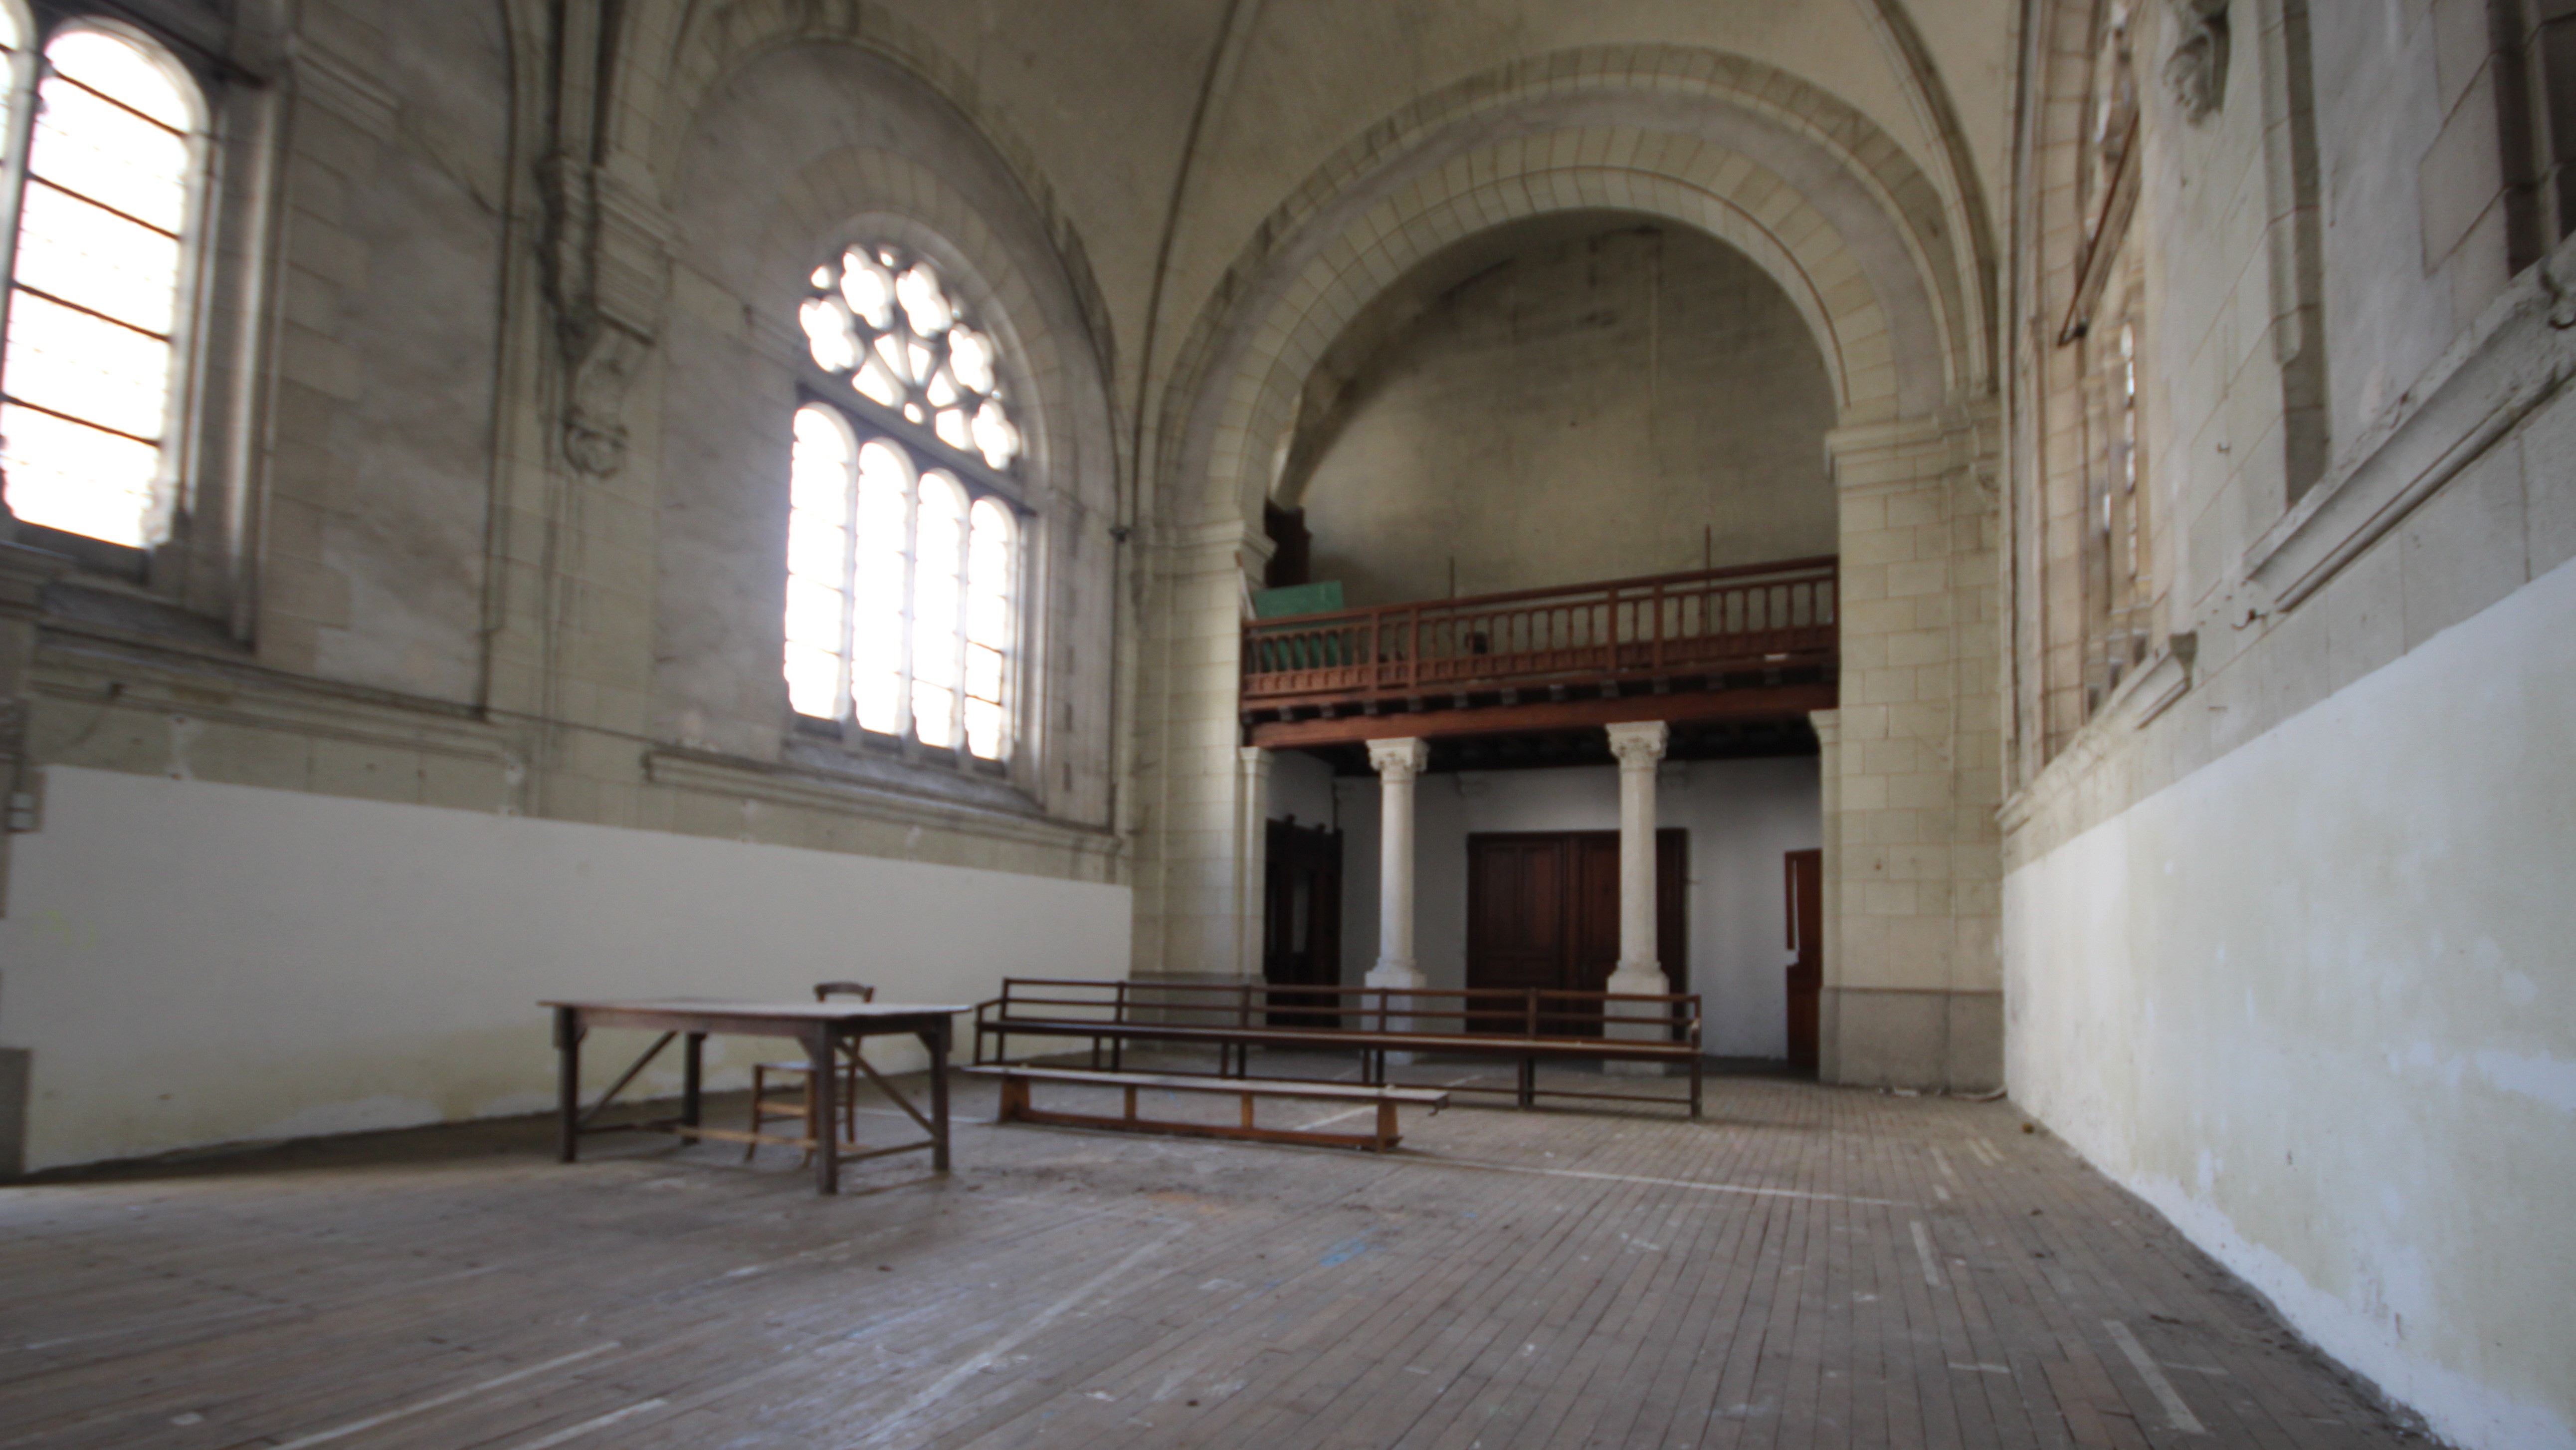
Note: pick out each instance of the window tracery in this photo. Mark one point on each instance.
(881, 321)
(902, 605)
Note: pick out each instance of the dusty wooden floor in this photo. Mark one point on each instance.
(1805, 1267)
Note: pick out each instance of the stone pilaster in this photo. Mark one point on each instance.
(1912, 989)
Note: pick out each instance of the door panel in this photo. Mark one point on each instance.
(1302, 922)
(1806, 898)
(1543, 911)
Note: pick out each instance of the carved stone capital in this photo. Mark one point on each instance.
(1399, 761)
(1640, 745)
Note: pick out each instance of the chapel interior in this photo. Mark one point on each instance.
(1325, 723)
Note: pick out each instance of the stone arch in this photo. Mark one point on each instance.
(750, 219)
(1827, 203)
(677, 53)
(1722, 196)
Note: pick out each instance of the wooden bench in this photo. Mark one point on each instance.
(1522, 1025)
(1015, 1078)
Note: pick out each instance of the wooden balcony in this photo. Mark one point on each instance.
(1740, 642)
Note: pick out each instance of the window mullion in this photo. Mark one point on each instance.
(965, 612)
(906, 724)
(845, 672)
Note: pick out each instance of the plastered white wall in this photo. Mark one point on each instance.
(2316, 1002)
(1301, 786)
(1742, 816)
(197, 963)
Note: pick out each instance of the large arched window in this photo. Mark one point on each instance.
(903, 558)
(90, 370)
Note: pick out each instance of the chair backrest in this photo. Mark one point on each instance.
(825, 991)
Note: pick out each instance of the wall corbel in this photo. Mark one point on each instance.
(2196, 72)
(608, 275)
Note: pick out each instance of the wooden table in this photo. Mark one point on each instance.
(819, 1026)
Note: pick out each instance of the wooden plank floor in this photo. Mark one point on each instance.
(1806, 1267)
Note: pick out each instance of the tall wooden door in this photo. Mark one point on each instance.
(1806, 888)
(1543, 911)
(1301, 935)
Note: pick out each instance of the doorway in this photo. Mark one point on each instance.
(1301, 927)
(1543, 911)
(1806, 886)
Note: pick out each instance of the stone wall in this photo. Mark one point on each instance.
(2282, 924)
(1579, 398)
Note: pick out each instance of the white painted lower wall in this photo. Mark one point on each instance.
(1743, 816)
(2317, 1003)
(195, 963)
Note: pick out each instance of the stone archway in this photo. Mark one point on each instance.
(1858, 238)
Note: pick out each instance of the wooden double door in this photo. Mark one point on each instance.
(1543, 911)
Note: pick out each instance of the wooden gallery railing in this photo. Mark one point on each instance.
(1710, 622)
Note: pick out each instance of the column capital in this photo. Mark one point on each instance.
(1399, 760)
(1639, 745)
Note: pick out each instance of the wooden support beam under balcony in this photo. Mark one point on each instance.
(1749, 642)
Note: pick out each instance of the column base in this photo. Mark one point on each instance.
(1645, 979)
(1398, 977)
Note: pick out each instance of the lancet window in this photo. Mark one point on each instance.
(904, 542)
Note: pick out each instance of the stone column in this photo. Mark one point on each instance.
(1398, 762)
(1640, 748)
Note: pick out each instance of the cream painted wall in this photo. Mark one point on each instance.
(198, 963)
(2315, 1002)
(1742, 816)
(1302, 785)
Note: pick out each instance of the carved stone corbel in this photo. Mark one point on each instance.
(608, 273)
(2196, 72)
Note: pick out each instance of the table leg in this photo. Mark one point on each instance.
(692, 1076)
(823, 1119)
(568, 1031)
(938, 1042)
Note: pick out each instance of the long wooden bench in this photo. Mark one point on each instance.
(1015, 1078)
(1526, 1026)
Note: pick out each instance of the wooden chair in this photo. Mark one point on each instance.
(764, 1107)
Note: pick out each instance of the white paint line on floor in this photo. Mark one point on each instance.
(602, 1422)
(1986, 1151)
(2176, 1412)
(898, 1422)
(324, 1437)
(1685, 1183)
(1982, 1368)
(1941, 1161)
(1923, 1250)
(1371, 1108)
